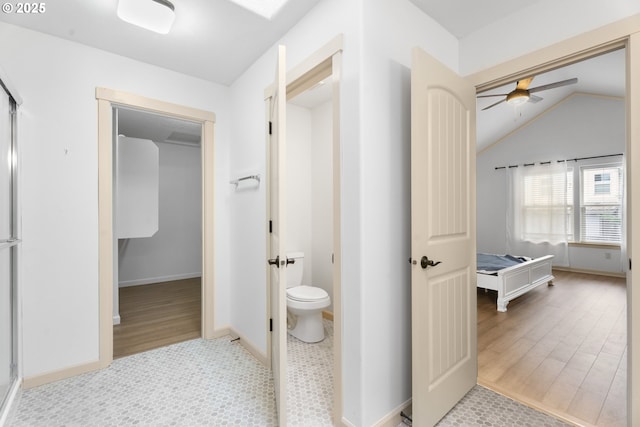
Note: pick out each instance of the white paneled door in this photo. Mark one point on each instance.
(277, 251)
(443, 239)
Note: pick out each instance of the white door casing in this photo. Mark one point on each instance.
(444, 337)
(277, 251)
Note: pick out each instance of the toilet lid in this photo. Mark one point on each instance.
(306, 293)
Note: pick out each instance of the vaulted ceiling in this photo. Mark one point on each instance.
(217, 40)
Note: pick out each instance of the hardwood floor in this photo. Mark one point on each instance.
(157, 315)
(561, 349)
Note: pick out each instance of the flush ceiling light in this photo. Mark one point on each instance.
(265, 8)
(153, 15)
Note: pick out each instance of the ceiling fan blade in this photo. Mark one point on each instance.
(534, 99)
(489, 96)
(493, 105)
(524, 83)
(554, 85)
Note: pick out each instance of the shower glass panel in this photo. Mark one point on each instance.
(5, 166)
(8, 245)
(6, 339)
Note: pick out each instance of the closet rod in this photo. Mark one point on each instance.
(560, 161)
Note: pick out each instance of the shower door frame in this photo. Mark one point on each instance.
(12, 244)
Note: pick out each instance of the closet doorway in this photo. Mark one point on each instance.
(158, 231)
(108, 102)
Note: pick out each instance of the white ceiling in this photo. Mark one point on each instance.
(217, 40)
(463, 17)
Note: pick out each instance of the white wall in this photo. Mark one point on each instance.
(391, 30)
(58, 181)
(322, 198)
(299, 194)
(310, 195)
(175, 250)
(541, 24)
(581, 126)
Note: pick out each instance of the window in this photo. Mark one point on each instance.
(601, 204)
(581, 204)
(547, 211)
(602, 183)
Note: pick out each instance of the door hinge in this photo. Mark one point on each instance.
(270, 128)
(629, 264)
(270, 226)
(270, 325)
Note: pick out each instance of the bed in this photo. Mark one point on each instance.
(512, 276)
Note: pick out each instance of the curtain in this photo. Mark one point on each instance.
(540, 211)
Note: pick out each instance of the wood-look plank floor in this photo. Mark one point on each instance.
(157, 315)
(561, 349)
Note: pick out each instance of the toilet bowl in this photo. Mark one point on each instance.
(304, 303)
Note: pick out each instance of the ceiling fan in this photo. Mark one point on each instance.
(522, 93)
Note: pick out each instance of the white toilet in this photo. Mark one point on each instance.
(304, 303)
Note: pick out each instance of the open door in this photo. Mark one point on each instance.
(443, 239)
(277, 251)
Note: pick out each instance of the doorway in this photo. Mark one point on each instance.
(107, 101)
(158, 231)
(620, 34)
(324, 63)
(623, 33)
(569, 336)
(310, 231)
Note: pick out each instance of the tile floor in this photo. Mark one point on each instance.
(483, 407)
(310, 380)
(218, 383)
(194, 383)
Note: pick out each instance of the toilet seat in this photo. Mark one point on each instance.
(306, 293)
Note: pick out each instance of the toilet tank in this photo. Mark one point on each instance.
(295, 270)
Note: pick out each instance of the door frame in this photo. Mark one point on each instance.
(621, 34)
(325, 62)
(107, 99)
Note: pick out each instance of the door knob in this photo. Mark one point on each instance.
(275, 261)
(426, 262)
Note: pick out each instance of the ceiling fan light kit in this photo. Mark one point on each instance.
(518, 97)
(522, 93)
(153, 15)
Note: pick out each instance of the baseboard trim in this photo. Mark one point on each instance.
(11, 403)
(62, 374)
(393, 418)
(151, 280)
(327, 315)
(260, 356)
(347, 423)
(219, 333)
(594, 272)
